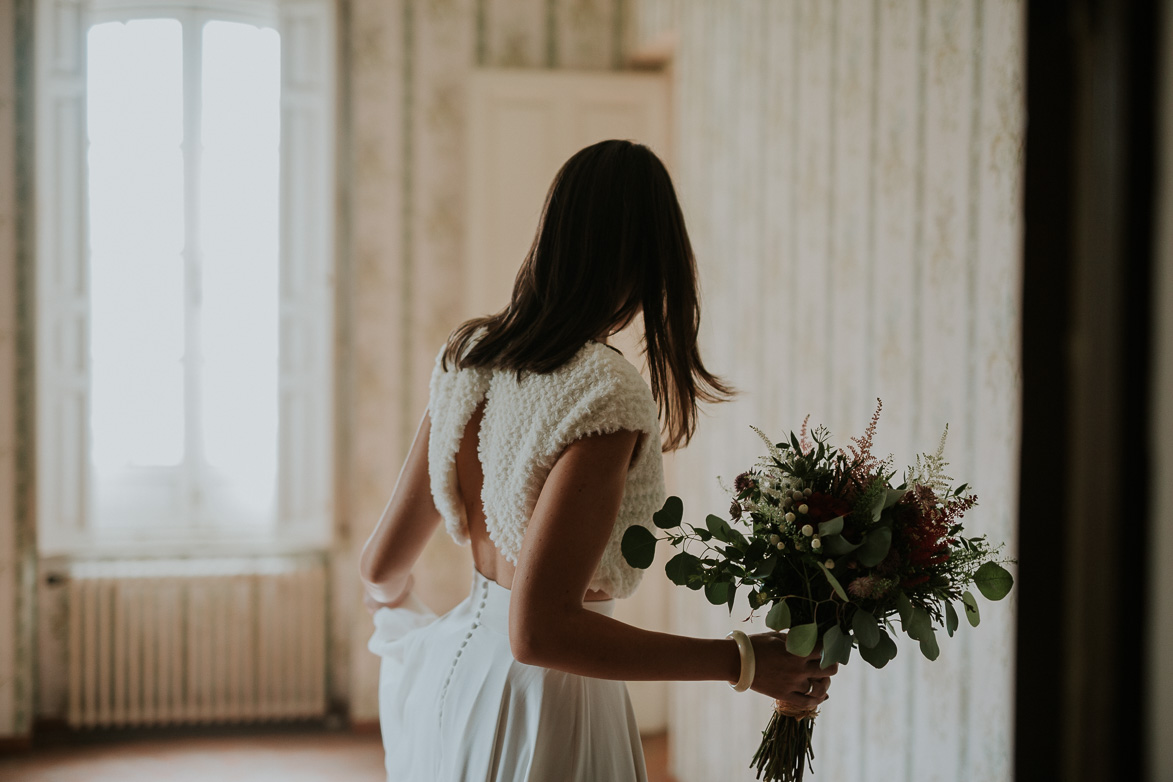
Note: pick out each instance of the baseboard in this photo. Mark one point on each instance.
(364, 727)
(10, 744)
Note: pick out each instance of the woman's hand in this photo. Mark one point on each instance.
(798, 682)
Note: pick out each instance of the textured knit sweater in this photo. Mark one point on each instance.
(526, 425)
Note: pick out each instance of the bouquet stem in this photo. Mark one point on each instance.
(785, 751)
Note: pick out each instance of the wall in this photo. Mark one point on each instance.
(408, 61)
(851, 175)
(1160, 673)
(16, 542)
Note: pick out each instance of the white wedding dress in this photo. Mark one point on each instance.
(454, 705)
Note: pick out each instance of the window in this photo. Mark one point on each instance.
(184, 247)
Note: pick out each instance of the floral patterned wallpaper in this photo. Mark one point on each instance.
(17, 543)
(409, 60)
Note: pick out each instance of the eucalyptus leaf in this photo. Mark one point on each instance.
(720, 528)
(875, 546)
(837, 545)
(892, 496)
(920, 625)
(881, 654)
(701, 533)
(778, 618)
(867, 629)
(638, 546)
(670, 515)
(732, 597)
(993, 581)
(834, 582)
(928, 646)
(951, 620)
(682, 567)
(801, 640)
(836, 647)
(766, 567)
(904, 608)
(971, 608)
(717, 592)
(832, 527)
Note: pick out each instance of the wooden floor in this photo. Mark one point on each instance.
(290, 756)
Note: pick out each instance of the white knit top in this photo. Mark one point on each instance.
(524, 429)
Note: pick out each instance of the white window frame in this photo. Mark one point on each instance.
(304, 473)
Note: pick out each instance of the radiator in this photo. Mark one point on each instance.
(166, 642)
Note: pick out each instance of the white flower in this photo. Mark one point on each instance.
(808, 530)
(816, 543)
(803, 508)
(781, 545)
(829, 564)
(790, 517)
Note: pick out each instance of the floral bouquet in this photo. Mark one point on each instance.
(820, 539)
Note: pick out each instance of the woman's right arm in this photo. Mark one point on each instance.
(563, 544)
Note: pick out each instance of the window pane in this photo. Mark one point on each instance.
(135, 128)
(238, 236)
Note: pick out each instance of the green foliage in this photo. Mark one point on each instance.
(881, 654)
(971, 608)
(638, 546)
(801, 640)
(834, 582)
(875, 547)
(685, 569)
(993, 581)
(669, 516)
(832, 527)
(866, 629)
(778, 619)
(928, 646)
(950, 619)
(718, 592)
(836, 647)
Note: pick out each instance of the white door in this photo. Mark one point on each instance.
(523, 125)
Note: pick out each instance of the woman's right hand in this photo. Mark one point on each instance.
(798, 682)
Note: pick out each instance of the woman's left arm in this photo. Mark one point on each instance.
(407, 524)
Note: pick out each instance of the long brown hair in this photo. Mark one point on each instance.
(611, 241)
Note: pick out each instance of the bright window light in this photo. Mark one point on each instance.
(135, 122)
(241, 130)
(184, 333)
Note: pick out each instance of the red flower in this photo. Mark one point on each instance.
(823, 507)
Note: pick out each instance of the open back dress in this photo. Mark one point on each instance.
(454, 705)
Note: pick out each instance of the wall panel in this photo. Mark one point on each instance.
(850, 172)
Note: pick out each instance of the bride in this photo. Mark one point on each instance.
(540, 446)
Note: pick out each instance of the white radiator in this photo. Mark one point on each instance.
(194, 641)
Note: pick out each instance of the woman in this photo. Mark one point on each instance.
(540, 446)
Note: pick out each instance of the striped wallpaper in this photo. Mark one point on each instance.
(851, 173)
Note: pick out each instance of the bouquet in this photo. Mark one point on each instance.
(822, 541)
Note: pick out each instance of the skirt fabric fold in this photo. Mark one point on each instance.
(454, 706)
